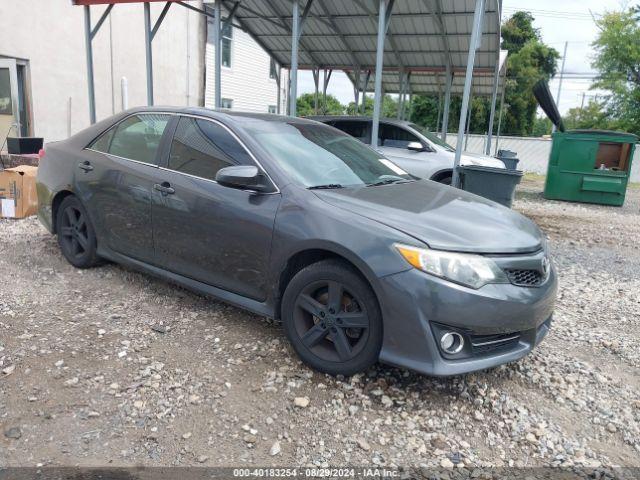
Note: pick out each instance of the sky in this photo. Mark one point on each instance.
(558, 21)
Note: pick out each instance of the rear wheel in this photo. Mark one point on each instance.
(332, 318)
(76, 236)
(445, 180)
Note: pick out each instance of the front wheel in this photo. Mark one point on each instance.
(76, 236)
(332, 318)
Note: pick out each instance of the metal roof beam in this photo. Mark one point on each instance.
(356, 16)
(156, 25)
(254, 37)
(288, 28)
(373, 16)
(373, 52)
(232, 13)
(438, 17)
(372, 35)
(104, 16)
(335, 28)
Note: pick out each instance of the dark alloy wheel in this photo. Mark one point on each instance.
(332, 318)
(76, 236)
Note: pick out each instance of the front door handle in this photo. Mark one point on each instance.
(86, 166)
(164, 188)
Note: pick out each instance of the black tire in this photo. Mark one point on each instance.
(445, 180)
(344, 334)
(76, 235)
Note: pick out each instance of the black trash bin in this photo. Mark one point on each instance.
(509, 158)
(497, 184)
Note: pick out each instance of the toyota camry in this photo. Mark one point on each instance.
(295, 220)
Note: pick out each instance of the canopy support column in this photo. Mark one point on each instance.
(356, 87)
(325, 84)
(494, 98)
(384, 15)
(466, 137)
(437, 129)
(90, 79)
(316, 82)
(89, 35)
(293, 96)
(400, 94)
(504, 88)
(447, 101)
(278, 86)
(217, 40)
(367, 77)
(475, 40)
(148, 52)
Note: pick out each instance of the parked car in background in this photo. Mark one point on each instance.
(412, 147)
(292, 219)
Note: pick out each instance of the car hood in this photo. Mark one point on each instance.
(478, 159)
(445, 218)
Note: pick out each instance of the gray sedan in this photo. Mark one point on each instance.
(295, 220)
(412, 147)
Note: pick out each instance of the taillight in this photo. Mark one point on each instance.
(41, 153)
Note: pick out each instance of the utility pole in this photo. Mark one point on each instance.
(564, 60)
(584, 94)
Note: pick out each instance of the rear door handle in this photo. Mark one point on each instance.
(165, 188)
(86, 166)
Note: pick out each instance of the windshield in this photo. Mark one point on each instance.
(320, 156)
(432, 138)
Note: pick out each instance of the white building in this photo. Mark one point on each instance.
(248, 73)
(43, 70)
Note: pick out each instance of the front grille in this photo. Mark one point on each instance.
(483, 344)
(525, 278)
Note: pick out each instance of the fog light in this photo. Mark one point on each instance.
(452, 342)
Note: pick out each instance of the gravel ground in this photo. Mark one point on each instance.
(112, 367)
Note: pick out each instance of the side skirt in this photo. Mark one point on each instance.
(234, 299)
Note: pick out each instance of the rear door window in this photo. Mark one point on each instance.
(394, 136)
(202, 147)
(356, 129)
(135, 138)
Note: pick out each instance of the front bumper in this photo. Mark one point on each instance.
(413, 303)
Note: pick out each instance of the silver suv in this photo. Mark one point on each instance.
(416, 150)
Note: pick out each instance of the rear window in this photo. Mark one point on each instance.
(136, 138)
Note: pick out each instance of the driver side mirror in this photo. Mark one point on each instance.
(416, 147)
(246, 177)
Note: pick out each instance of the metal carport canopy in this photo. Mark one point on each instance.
(407, 37)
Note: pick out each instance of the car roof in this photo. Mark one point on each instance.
(327, 118)
(227, 116)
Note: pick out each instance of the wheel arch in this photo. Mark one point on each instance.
(441, 174)
(311, 254)
(55, 204)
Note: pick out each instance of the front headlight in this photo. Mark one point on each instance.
(474, 271)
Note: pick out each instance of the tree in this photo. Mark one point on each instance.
(529, 61)
(617, 61)
(542, 126)
(593, 116)
(305, 105)
(389, 107)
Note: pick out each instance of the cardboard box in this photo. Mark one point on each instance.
(18, 196)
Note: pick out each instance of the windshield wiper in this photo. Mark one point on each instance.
(328, 186)
(389, 181)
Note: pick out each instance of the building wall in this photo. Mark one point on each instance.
(246, 81)
(532, 152)
(50, 35)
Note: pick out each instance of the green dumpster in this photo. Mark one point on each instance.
(590, 166)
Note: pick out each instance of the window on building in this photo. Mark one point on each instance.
(226, 103)
(273, 72)
(201, 148)
(273, 109)
(136, 138)
(227, 36)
